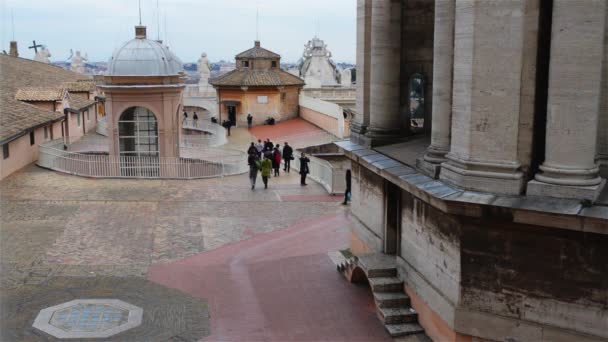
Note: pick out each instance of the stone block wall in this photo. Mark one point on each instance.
(368, 203)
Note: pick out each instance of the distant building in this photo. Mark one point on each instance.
(317, 69)
(40, 102)
(258, 86)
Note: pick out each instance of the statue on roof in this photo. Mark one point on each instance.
(78, 62)
(316, 66)
(204, 68)
(43, 55)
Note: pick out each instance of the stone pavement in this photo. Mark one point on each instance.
(267, 248)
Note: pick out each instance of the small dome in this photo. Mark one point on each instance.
(144, 57)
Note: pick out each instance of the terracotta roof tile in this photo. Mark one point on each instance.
(80, 86)
(16, 116)
(39, 94)
(80, 103)
(260, 78)
(257, 52)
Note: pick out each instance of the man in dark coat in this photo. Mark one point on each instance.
(287, 156)
(195, 119)
(249, 120)
(348, 187)
(303, 169)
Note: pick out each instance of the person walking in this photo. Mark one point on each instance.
(195, 119)
(249, 120)
(227, 124)
(254, 166)
(347, 193)
(252, 149)
(266, 167)
(303, 169)
(276, 162)
(287, 156)
(259, 147)
(185, 118)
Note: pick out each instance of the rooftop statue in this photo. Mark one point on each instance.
(43, 55)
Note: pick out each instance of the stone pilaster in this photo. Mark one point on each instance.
(602, 139)
(575, 69)
(385, 122)
(443, 62)
(488, 59)
(360, 120)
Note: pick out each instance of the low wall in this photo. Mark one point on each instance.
(326, 115)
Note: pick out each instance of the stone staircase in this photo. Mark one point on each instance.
(392, 304)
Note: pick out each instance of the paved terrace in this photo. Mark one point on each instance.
(205, 259)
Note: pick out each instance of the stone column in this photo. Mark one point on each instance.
(385, 121)
(602, 139)
(575, 69)
(488, 60)
(443, 63)
(360, 120)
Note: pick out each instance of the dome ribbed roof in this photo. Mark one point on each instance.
(144, 57)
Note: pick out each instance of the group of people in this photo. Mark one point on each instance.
(194, 118)
(266, 157)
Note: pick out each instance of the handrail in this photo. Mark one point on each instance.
(218, 163)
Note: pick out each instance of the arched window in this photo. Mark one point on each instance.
(416, 102)
(138, 133)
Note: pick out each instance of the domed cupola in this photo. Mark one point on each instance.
(144, 57)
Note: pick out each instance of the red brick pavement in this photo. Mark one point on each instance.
(294, 127)
(280, 286)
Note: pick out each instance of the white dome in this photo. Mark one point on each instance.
(144, 57)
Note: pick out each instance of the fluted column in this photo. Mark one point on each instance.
(385, 88)
(360, 121)
(602, 139)
(489, 55)
(575, 69)
(443, 63)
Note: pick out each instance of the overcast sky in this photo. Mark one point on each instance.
(222, 28)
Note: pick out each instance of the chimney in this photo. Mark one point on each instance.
(257, 43)
(13, 51)
(140, 32)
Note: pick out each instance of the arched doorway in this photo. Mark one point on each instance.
(138, 142)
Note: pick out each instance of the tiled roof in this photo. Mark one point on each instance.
(257, 52)
(80, 86)
(39, 94)
(260, 78)
(16, 117)
(78, 103)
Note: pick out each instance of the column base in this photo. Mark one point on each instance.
(370, 137)
(492, 177)
(430, 163)
(589, 193)
(603, 164)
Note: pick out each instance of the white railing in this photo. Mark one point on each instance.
(102, 126)
(215, 134)
(302, 140)
(322, 172)
(52, 155)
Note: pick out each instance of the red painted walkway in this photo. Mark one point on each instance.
(294, 127)
(280, 286)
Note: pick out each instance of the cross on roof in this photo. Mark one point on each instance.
(35, 47)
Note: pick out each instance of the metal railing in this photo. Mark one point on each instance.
(215, 134)
(322, 172)
(52, 155)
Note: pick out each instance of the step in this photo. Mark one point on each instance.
(404, 329)
(386, 284)
(381, 272)
(391, 299)
(397, 315)
(378, 265)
